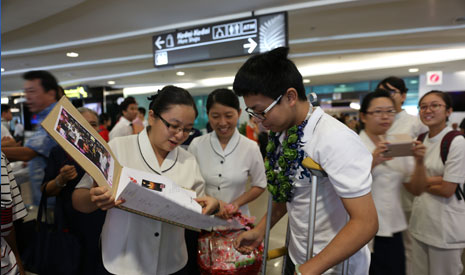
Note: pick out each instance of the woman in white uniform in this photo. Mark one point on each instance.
(132, 244)
(438, 216)
(377, 113)
(227, 158)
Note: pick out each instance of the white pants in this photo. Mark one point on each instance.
(430, 260)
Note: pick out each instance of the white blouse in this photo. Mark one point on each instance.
(133, 244)
(226, 171)
(436, 220)
(388, 179)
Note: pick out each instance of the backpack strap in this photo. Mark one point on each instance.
(445, 146)
(422, 136)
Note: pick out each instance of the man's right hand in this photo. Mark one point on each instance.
(103, 198)
(248, 241)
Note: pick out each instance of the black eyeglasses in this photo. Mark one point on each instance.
(380, 113)
(175, 129)
(261, 115)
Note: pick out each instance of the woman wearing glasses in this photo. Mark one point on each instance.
(226, 158)
(132, 244)
(438, 216)
(377, 113)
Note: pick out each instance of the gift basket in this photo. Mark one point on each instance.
(217, 255)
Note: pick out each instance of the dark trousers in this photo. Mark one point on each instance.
(388, 256)
(290, 267)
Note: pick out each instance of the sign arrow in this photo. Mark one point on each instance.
(251, 45)
(159, 42)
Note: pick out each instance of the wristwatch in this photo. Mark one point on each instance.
(297, 271)
(58, 184)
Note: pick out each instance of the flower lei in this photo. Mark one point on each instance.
(287, 159)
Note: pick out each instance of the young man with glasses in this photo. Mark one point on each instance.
(273, 91)
(404, 123)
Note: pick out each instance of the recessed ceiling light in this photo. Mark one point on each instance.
(413, 70)
(72, 54)
(180, 73)
(3, 70)
(111, 82)
(307, 81)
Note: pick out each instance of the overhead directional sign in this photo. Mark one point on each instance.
(239, 37)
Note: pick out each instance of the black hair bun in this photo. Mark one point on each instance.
(154, 96)
(279, 53)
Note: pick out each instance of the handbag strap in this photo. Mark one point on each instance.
(58, 213)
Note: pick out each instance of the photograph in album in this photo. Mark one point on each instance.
(81, 139)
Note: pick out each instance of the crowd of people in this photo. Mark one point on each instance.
(387, 215)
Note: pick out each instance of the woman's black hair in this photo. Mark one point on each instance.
(224, 97)
(366, 101)
(369, 97)
(170, 95)
(445, 97)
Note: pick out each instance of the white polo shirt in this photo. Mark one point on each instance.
(226, 171)
(343, 156)
(388, 179)
(133, 244)
(436, 220)
(122, 128)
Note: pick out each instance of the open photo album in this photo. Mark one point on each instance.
(146, 194)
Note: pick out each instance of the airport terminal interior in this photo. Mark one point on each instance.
(104, 51)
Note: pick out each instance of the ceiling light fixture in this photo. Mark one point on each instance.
(3, 69)
(413, 70)
(307, 80)
(72, 54)
(355, 105)
(180, 73)
(111, 82)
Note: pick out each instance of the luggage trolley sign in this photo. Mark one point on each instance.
(256, 34)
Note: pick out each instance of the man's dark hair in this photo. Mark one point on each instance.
(127, 101)
(47, 80)
(5, 108)
(270, 74)
(141, 110)
(395, 82)
(103, 118)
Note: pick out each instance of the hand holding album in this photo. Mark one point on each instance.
(400, 145)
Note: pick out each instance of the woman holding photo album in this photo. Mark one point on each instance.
(438, 214)
(389, 174)
(133, 244)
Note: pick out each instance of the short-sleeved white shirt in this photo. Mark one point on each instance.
(343, 156)
(436, 220)
(388, 179)
(226, 171)
(133, 244)
(405, 123)
(122, 128)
